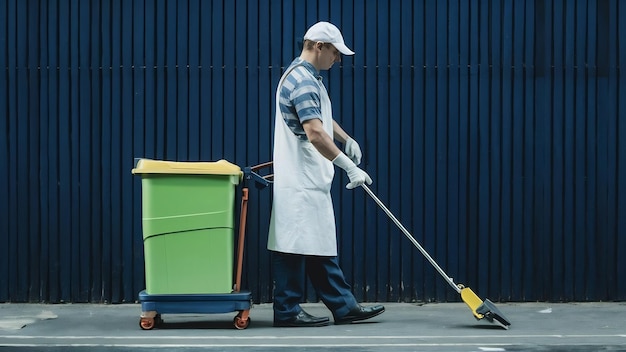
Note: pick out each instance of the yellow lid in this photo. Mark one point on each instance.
(220, 167)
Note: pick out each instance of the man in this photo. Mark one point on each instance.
(302, 234)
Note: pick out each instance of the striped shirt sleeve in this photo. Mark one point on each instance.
(300, 100)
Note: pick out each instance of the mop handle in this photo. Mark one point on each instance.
(411, 238)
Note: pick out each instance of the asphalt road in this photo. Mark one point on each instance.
(403, 327)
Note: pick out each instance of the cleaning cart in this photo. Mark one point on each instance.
(188, 227)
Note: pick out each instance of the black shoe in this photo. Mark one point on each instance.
(360, 313)
(303, 319)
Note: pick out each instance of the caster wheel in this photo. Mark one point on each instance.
(240, 323)
(147, 323)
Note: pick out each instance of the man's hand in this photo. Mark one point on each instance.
(352, 150)
(356, 175)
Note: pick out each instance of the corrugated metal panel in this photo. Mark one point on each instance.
(493, 129)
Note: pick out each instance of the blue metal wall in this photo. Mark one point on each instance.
(495, 131)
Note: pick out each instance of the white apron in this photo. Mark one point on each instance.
(302, 220)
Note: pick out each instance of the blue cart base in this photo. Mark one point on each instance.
(152, 306)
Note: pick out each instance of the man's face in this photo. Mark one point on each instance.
(329, 55)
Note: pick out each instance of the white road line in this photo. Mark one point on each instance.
(236, 345)
(477, 341)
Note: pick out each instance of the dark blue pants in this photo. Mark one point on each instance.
(325, 275)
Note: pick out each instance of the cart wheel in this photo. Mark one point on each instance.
(240, 323)
(158, 320)
(146, 323)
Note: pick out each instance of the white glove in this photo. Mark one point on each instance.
(352, 150)
(356, 175)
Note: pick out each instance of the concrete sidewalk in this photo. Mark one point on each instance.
(403, 327)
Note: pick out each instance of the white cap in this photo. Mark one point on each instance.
(327, 33)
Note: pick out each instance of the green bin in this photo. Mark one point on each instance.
(187, 219)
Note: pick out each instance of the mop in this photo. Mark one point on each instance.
(481, 309)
